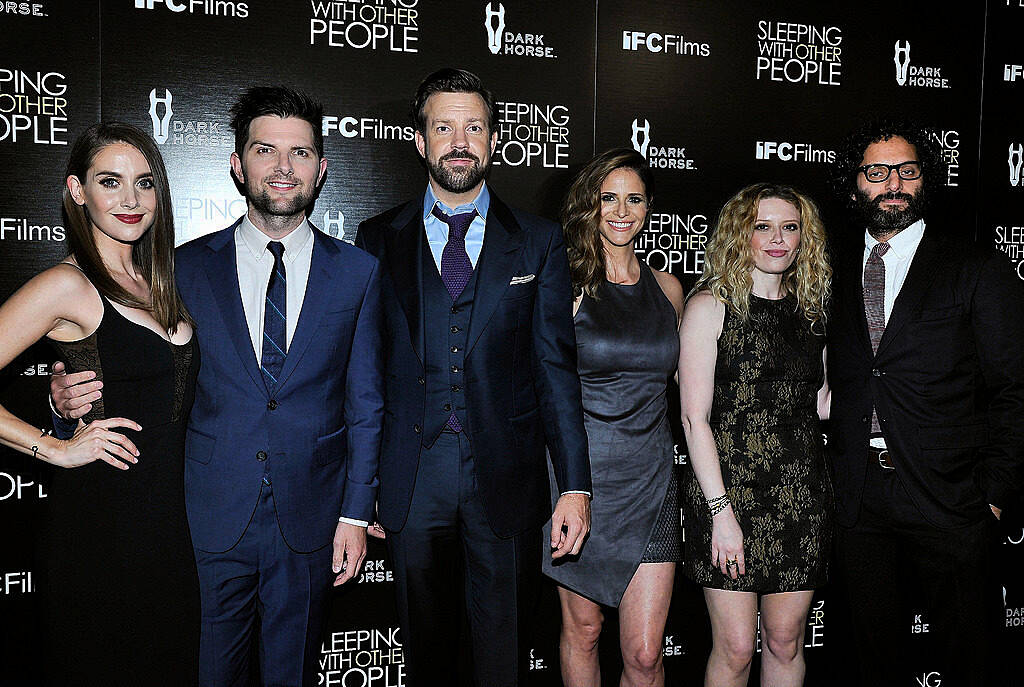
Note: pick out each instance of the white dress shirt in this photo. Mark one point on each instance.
(254, 263)
(897, 259)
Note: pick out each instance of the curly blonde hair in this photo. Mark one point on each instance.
(581, 215)
(729, 261)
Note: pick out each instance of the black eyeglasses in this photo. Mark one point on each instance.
(877, 173)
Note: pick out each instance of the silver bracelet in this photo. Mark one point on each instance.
(718, 504)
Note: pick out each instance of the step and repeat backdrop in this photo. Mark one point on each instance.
(715, 95)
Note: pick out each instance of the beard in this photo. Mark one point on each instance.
(880, 221)
(264, 204)
(457, 180)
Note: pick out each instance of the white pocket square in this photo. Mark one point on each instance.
(523, 279)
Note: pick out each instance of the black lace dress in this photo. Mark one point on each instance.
(119, 587)
(765, 421)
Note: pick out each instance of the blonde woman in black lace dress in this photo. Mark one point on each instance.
(752, 376)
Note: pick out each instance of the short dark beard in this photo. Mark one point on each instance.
(261, 202)
(888, 222)
(457, 181)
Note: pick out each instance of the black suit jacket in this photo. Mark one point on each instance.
(947, 382)
(522, 389)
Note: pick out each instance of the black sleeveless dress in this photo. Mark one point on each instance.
(627, 350)
(119, 586)
(765, 420)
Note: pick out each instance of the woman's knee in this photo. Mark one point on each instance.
(583, 630)
(736, 646)
(782, 642)
(642, 657)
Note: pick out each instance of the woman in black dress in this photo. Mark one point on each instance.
(626, 318)
(119, 585)
(758, 500)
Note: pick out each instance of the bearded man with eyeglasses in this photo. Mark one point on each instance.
(926, 369)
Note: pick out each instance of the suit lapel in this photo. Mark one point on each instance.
(919, 279)
(853, 301)
(502, 238)
(314, 301)
(405, 245)
(222, 273)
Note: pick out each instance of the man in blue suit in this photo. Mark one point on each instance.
(481, 376)
(283, 439)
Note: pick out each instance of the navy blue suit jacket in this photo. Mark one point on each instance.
(522, 388)
(319, 432)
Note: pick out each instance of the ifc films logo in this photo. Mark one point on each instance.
(908, 74)
(210, 8)
(501, 42)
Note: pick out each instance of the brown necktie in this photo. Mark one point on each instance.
(874, 305)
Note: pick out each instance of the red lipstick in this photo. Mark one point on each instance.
(129, 219)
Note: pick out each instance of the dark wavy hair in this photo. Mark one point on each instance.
(843, 178)
(153, 253)
(581, 215)
(451, 80)
(278, 101)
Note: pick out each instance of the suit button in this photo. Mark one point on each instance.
(261, 456)
(865, 419)
(456, 369)
(454, 349)
(455, 311)
(272, 404)
(447, 407)
(456, 329)
(876, 372)
(420, 380)
(456, 388)
(417, 429)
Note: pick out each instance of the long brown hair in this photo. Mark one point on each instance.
(153, 253)
(729, 262)
(581, 215)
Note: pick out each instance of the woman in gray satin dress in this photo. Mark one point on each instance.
(626, 317)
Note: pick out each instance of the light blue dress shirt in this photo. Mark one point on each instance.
(437, 231)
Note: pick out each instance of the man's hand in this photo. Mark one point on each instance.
(74, 394)
(572, 514)
(349, 551)
(376, 531)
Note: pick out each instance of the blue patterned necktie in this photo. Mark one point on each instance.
(456, 269)
(275, 322)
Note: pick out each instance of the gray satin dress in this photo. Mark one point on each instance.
(628, 349)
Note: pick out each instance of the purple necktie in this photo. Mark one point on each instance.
(874, 305)
(456, 269)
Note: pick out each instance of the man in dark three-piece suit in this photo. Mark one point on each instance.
(926, 367)
(481, 376)
(284, 436)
